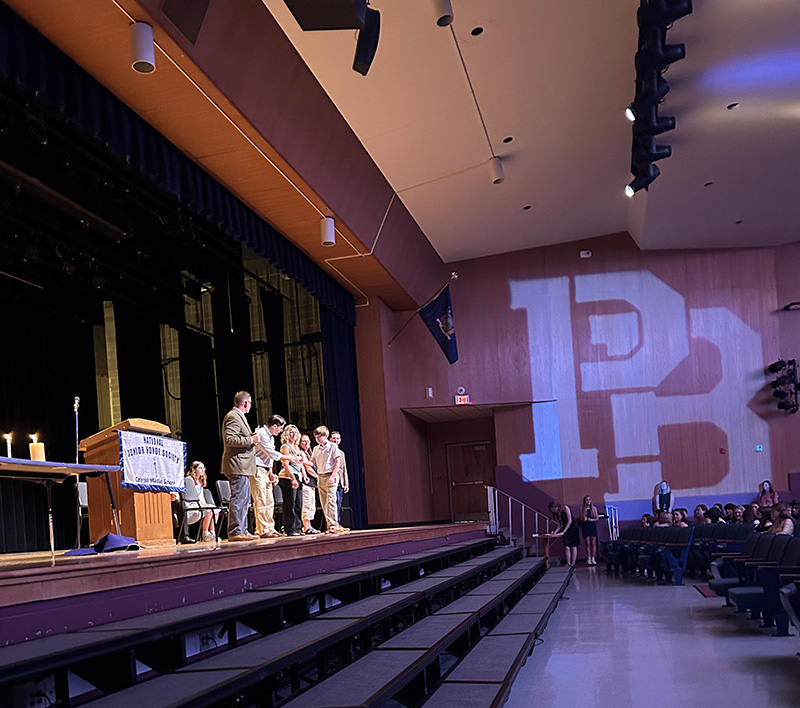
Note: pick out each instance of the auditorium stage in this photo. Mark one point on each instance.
(41, 594)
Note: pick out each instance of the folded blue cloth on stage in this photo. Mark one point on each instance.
(108, 543)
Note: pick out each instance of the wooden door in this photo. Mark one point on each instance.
(469, 468)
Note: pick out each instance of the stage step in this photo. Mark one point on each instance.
(108, 654)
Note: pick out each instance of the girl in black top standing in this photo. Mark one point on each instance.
(589, 516)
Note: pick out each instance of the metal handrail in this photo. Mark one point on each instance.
(494, 507)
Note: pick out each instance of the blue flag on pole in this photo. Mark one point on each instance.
(438, 316)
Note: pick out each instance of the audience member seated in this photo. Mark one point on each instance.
(738, 514)
(715, 515)
(700, 515)
(729, 512)
(197, 476)
(677, 519)
(782, 522)
(647, 520)
(794, 508)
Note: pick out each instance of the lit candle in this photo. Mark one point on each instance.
(37, 449)
(7, 436)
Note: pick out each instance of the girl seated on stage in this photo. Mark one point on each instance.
(197, 476)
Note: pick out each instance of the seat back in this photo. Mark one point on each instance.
(791, 557)
(224, 491)
(703, 531)
(763, 545)
(660, 534)
(729, 532)
(83, 495)
(209, 497)
(717, 531)
(778, 548)
(673, 533)
(743, 531)
(750, 543)
(190, 496)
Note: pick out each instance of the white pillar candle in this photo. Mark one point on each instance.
(7, 436)
(37, 450)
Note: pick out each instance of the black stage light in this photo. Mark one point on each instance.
(780, 394)
(655, 53)
(780, 381)
(367, 43)
(786, 405)
(642, 180)
(662, 12)
(651, 88)
(776, 366)
(649, 123)
(646, 150)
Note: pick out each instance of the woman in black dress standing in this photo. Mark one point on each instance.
(589, 516)
(568, 528)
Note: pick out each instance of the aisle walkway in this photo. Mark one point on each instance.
(620, 643)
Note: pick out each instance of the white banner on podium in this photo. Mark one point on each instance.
(151, 463)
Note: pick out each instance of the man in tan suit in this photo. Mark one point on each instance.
(239, 464)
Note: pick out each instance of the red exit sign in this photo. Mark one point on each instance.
(462, 400)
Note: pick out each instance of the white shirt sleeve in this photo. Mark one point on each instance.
(265, 447)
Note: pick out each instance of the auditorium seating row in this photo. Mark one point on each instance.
(671, 551)
(753, 579)
(279, 638)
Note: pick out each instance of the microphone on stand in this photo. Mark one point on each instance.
(76, 404)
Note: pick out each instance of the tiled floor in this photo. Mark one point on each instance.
(620, 643)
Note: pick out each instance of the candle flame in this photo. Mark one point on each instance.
(34, 438)
(7, 436)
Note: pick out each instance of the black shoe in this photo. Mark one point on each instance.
(294, 533)
(186, 539)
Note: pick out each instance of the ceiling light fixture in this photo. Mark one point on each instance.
(643, 179)
(444, 12)
(143, 52)
(327, 231)
(496, 170)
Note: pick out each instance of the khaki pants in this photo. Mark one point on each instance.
(263, 501)
(327, 500)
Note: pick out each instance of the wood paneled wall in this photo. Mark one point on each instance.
(639, 366)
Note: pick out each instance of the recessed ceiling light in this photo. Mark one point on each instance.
(508, 139)
(526, 207)
(739, 222)
(731, 106)
(708, 184)
(476, 31)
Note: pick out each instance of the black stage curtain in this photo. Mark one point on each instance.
(272, 308)
(28, 59)
(232, 349)
(141, 380)
(45, 361)
(341, 401)
(200, 420)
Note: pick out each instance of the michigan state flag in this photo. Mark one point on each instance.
(438, 315)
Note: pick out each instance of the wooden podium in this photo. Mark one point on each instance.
(147, 516)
